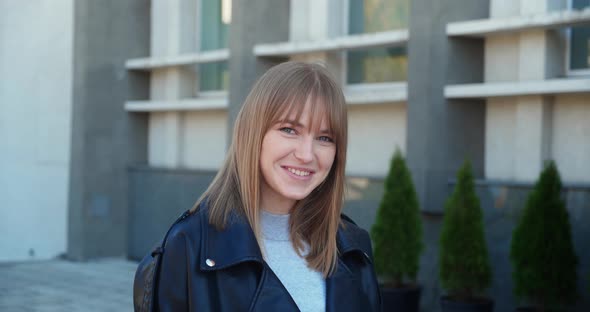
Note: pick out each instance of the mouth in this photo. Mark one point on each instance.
(298, 172)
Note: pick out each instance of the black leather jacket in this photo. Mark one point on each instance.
(204, 269)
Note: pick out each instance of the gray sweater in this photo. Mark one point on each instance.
(307, 287)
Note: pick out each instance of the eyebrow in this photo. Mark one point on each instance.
(296, 123)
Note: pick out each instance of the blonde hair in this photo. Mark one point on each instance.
(285, 88)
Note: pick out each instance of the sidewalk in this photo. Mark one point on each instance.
(59, 285)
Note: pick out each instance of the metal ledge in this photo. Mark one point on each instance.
(196, 104)
(151, 63)
(376, 93)
(351, 42)
(484, 27)
(517, 88)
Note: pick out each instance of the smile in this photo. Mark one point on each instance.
(298, 172)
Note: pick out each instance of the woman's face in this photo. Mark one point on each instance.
(295, 159)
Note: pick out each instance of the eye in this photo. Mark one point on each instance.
(326, 139)
(287, 130)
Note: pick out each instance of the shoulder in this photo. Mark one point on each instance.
(187, 227)
(351, 228)
(357, 235)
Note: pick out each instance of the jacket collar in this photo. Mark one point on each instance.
(236, 243)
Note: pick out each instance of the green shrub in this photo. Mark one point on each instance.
(464, 266)
(542, 254)
(397, 232)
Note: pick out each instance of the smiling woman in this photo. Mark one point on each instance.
(294, 160)
(268, 234)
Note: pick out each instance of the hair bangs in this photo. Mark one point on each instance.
(325, 101)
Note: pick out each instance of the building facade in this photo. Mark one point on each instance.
(115, 115)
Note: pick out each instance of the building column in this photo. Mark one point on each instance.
(105, 138)
(441, 133)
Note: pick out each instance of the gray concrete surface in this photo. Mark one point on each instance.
(156, 198)
(60, 285)
(105, 138)
(441, 133)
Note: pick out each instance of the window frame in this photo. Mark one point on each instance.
(199, 47)
(344, 58)
(568, 34)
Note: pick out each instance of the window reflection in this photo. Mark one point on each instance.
(580, 41)
(379, 64)
(215, 20)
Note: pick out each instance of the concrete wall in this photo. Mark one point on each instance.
(156, 198)
(105, 138)
(36, 39)
(441, 134)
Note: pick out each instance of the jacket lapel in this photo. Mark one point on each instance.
(343, 292)
(222, 248)
(236, 243)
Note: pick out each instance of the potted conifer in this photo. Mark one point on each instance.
(542, 254)
(397, 237)
(464, 267)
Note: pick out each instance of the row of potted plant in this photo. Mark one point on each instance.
(541, 252)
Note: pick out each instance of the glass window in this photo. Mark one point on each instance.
(215, 20)
(379, 64)
(580, 41)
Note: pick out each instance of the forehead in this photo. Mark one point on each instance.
(312, 113)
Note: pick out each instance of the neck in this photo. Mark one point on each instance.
(275, 203)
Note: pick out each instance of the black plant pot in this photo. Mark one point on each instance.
(479, 305)
(536, 309)
(405, 299)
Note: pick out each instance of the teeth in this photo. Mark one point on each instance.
(298, 172)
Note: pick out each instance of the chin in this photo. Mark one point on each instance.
(296, 195)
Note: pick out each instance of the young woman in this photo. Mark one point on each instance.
(267, 235)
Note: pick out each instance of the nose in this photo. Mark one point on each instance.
(304, 150)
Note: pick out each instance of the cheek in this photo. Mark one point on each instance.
(327, 158)
(266, 149)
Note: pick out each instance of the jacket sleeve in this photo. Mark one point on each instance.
(173, 285)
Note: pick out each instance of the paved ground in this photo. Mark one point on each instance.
(58, 285)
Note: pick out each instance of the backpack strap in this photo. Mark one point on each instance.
(145, 284)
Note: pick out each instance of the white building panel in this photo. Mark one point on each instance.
(204, 140)
(374, 132)
(571, 137)
(503, 8)
(532, 136)
(163, 136)
(500, 139)
(501, 58)
(36, 42)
